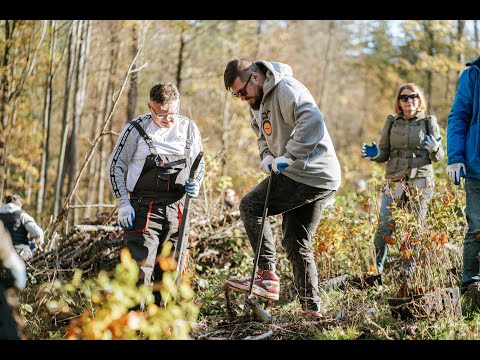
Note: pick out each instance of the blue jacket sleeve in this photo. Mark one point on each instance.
(460, 117)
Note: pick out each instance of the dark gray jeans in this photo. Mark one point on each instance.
(301, 207)
(471, 244)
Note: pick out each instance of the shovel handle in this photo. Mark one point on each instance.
(184, 227)
(260, 235)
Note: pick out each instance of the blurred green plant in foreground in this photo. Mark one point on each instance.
(108, 299)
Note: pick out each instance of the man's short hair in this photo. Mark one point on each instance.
(240, 68)
(15, 198)
(164, 93)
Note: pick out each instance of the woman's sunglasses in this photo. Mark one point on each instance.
(405, 98)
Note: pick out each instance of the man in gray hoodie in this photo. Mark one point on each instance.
(293, 141)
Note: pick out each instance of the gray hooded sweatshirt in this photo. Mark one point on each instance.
(289, 123)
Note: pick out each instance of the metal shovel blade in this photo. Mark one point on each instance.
(258, 310)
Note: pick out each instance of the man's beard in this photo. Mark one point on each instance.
(258, 100)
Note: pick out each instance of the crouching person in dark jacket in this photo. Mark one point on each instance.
(26, 235)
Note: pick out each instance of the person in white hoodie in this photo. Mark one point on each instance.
(26, 234)
(294, 142)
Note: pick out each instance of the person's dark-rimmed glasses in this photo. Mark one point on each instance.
(164, 116)
(243, 91)
(405, 97)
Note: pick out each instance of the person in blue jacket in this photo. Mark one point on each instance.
(463, 151)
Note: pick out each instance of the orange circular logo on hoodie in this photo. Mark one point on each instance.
(267, 127)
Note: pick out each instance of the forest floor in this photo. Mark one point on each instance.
(353, 308)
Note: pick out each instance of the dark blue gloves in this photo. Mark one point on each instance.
(370, 151)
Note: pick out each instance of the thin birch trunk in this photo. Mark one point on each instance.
(71, 58)
(47, 111)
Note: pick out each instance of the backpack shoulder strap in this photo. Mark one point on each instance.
(145, 137)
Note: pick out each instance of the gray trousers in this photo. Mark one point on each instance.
(155, 223)
(301, 207)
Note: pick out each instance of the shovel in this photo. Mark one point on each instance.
(258, 310)
(184, 228)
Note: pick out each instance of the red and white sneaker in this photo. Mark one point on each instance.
(266, 285)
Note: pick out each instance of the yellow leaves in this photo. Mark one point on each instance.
(74, 330)
(389, 240)
(447, 198)
(443, 239)
(440, 239)
(322, 247)
(366, 205)
(407, 253)
(167, 263)
(96, 297)
(166, 259)
(391, 226)
(408, 235)
(108, 315)
(125, 255)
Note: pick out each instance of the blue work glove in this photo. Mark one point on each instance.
(456, 171)
(32, 245)
(432, 144)
(281, 163)
(192, 188)
(126, 215)
(370, 151)
(266, 165)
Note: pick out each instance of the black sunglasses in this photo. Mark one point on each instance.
(243, 91)
(405, 98)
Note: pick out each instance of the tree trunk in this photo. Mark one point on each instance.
(133, 90)
(475, 33)
(461, 55)
(47, 111)
(96, 171)
(18, 60)
(4, 87)
(430, 48)
(71, 59)
(112, 74)
(80, 85)
(258, 37)
(180, 59)
(325, 70)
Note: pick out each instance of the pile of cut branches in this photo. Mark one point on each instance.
(96, 247)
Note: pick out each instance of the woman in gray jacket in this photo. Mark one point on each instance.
(409, 143)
